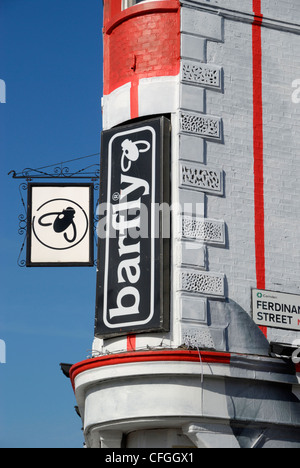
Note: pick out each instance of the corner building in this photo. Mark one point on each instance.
(224, 74)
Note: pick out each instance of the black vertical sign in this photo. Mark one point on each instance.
(133, 256)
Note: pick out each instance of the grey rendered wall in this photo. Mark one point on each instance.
(217, 43)
(276, 11)
(280, 65)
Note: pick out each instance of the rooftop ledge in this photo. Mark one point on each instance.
(238, 366)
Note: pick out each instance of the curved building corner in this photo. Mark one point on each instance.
(197, 320)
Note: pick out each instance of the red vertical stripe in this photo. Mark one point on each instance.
(131, 342)
(134, 99)
(257, 7)
(258, 149)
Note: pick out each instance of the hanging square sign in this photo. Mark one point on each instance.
(133, 279)
(60, 225)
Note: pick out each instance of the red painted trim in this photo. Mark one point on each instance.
(298, 368)
(131, 343)
(258, 157)
(134, 98)
(258, 150)
(141, 9)
(111, 8)
(257, 7)
(148, 356)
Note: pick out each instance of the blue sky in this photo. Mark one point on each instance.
(51, 62)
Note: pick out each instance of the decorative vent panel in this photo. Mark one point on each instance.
(197, 338)
(197, 124)
(201, 73)
(201, 177)
(204, 230)
(203, 283)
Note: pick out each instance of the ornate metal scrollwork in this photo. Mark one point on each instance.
(91, 172)
(22, 224)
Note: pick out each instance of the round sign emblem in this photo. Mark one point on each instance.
(60, 224)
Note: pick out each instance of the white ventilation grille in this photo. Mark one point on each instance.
(197, 176)
(203, 229)
(197, 338)
(201, 74)
(198, 124)
(210, 284)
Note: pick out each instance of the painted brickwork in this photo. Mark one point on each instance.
(281, 118)
(141, 46)
(234, 149)
(274, 11)
(235, 156)
(198, 182)
(281, 66)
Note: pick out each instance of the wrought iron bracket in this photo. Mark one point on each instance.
(91, 172)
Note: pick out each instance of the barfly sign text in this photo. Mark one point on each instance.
(130, 271)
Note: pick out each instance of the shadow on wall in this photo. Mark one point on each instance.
(240, 333)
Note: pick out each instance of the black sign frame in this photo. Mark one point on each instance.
(149, 278)
(90, 228)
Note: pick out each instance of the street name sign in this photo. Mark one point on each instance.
(276, 309)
